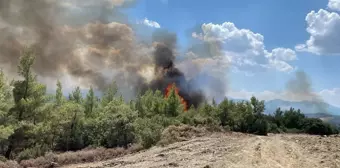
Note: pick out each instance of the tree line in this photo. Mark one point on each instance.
(33, 122)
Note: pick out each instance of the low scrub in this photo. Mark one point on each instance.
(9, 164)
(83, 156)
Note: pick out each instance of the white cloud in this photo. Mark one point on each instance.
(234, 39)
(150, 23)
(331, 96)
(283, 54)
(246, 49)
(323, 27)
(280, 65)
(334, 5)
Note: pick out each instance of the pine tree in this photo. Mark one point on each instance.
(224, 111)
(258, 106)
(109, 94)
(59, 94)
(214, 102)
(76, 95)
(29, 98)
(6, 99)
(90, 102)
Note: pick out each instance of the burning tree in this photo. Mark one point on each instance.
(176, 103)
(173, 91)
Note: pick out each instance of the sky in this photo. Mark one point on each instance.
(264, 41)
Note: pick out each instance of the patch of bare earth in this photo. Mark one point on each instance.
(235, 150)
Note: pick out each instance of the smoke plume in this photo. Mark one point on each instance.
(93, 43)
(300, 88)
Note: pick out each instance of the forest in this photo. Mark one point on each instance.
(34, 123)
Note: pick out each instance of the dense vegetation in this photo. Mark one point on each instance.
(33, 122)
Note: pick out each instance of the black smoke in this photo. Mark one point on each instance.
(167, 73)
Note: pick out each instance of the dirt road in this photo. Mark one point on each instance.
(235, 150)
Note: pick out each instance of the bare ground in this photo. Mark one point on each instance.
(235, 150)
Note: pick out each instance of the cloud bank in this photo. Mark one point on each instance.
(245, 49)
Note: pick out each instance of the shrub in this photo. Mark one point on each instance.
(3, 158)
(260, 127)
(318, 127)
(86, 155)
(32, 153)
(9, 164)
(114, 126)
(148, 131)
(273, 128)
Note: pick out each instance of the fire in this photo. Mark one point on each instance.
(167, 93)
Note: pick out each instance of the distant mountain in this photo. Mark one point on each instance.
(323, 111)
(307, 107)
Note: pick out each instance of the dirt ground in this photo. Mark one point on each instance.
(235, 150)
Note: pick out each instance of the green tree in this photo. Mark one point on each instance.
(214, 102)
(113, 126)
(29, 98)
(76, 96)
(90, 102)
(59, 94)
(278, 116)
(151, 103)
(224, 112)
(242, 116)
(109, 94)
(6, 123)
(72, 122)
(258, 106)
(293, 119)
(259, 125)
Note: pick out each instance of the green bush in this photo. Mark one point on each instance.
(148, 131)
(116, 126)
(260, 127)
(273, 128)
(318, 127)
(32, 153)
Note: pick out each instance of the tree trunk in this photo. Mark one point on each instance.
(9, 150)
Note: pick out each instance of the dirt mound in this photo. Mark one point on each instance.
(236, 150)
(174, 134)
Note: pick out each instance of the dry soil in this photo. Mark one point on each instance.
(235, 150)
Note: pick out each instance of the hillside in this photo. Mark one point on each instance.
(307, 107)
(323, 111)
(235, 150)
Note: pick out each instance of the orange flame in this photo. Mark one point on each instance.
(167, 93)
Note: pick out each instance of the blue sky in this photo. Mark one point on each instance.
(282, 24)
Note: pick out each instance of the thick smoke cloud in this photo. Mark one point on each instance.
(82, 51)
(93, 42)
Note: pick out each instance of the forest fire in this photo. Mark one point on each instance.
(167, 93)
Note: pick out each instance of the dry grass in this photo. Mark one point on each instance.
(170, 135)
(83, 156)
(180, 133)
(9, 164)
